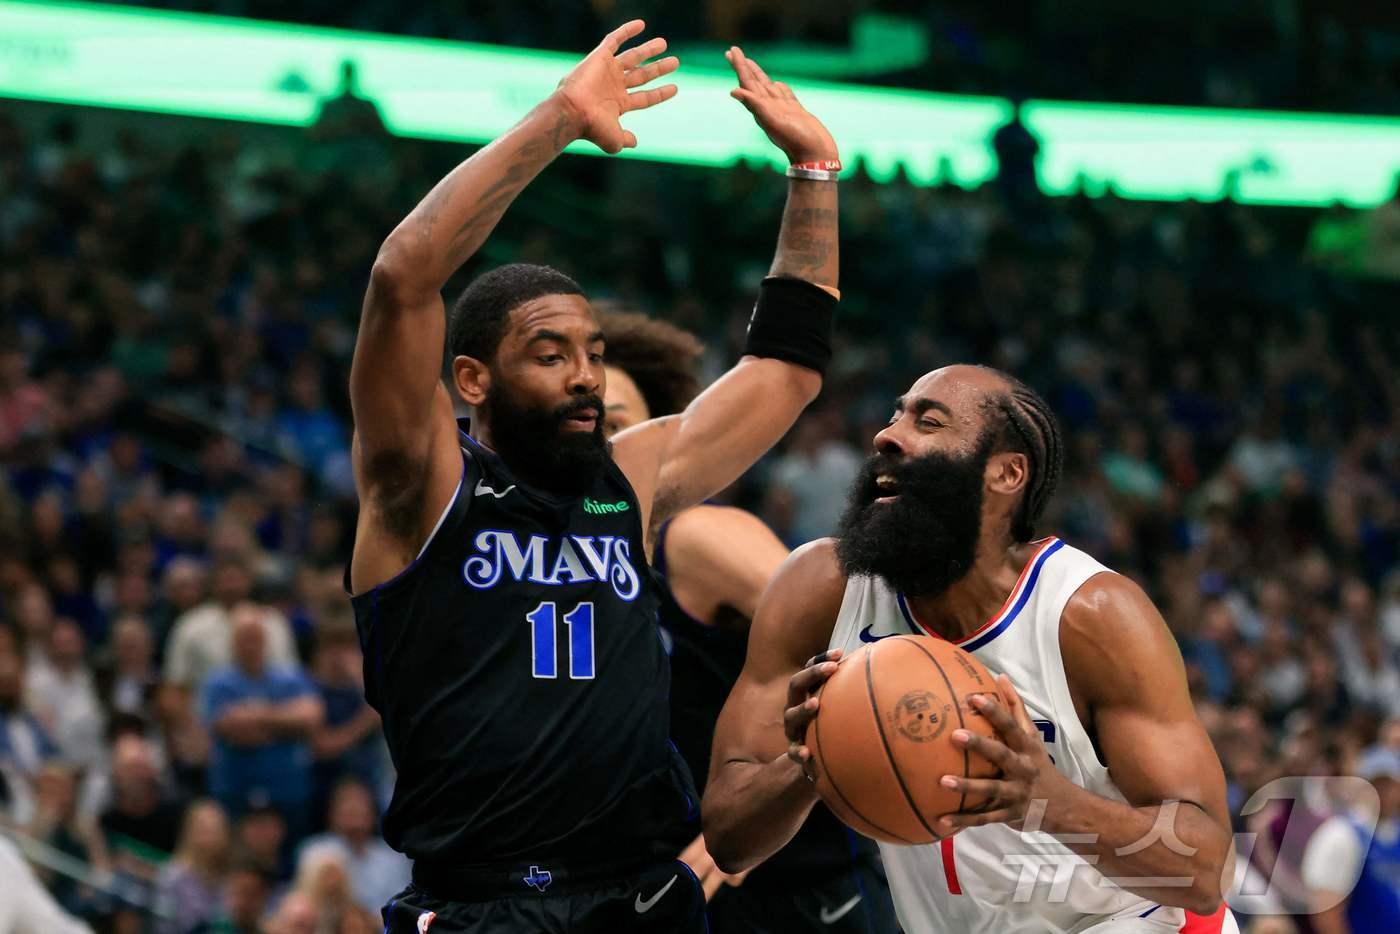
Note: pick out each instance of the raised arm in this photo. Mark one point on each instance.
(406, 456)
(757, 795)
(678, 461)
(1170, 842)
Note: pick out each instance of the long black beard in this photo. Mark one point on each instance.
(926, 540)
(538, 449)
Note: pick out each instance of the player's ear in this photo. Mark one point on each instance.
(472, 378)
(1007, 472)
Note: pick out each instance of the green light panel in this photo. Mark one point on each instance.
(276, 73)
(1175, 153)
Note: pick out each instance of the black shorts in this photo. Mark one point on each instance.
(852, 902)
(665, 898)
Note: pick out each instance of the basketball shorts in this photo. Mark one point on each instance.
(665, 898)
(1222, 922)
(852, 902)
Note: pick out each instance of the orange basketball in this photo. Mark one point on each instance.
(882, 737)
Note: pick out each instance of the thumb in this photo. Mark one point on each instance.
(745, 97)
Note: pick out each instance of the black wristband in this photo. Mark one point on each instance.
(792, 320)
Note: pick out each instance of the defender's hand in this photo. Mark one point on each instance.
(711, 877)
(776, 109)
(599, 89)
(802, 705)
(1027, 774)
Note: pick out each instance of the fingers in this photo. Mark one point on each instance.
(997, 753)
(808, 680)
(1011, 732)
(639, 76)
(798, 717)
(641, 100)
(629, 139)
(635, 56)
(711, 883)
(615, 39)
(1016, 705)
(736, 60)
(694, 852)
(950, 824)
(698, 858)
(751, 77)
(991, 789)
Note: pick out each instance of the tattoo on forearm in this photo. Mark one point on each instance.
(532, 155)
(807, 241)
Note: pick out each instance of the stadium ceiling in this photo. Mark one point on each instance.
(238, 69)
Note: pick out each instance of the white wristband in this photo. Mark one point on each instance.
(812, 175)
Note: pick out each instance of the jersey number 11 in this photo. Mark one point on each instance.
(544, 641)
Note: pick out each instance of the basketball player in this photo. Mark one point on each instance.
(1099, 742)
(715, 562)
(503, 596)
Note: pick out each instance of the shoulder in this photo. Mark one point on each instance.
(797, 612)
(808, 588)
(1110, 604)
(1114, 640)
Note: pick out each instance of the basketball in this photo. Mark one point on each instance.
(882, 737)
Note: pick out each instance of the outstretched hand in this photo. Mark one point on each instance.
(607, 84)
(801, 136)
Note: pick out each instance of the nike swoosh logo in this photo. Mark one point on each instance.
(865, 635)
(644, 905)
(482, 490)
(836, 914)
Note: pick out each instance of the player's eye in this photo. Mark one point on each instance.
(550, 358)
(595, 358)
(930, 423)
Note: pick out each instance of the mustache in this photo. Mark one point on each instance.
(901, 469)
(581, 404)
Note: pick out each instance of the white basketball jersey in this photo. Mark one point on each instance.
(993, 879)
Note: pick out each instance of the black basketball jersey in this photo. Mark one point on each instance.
(522, 681)
(706, 660)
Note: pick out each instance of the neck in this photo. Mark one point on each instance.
(966, 606)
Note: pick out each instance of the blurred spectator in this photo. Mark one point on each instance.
(201, 638)
(348, 741)
(127, 680)
(62, 696)
(191, 884)
(296, 914)
(261, 841)
(244, 901)
(816, 471)
(182, 589)
(143, 820)
(1353, 870)
(261, 715)
(377, 873)
(24, 743)
(313, 434)
(323, 880)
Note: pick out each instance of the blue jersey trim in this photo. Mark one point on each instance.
(979, 641)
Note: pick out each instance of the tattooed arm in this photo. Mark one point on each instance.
(406, 458)
(679, 460)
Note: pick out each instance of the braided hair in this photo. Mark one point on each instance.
(1028, 426)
